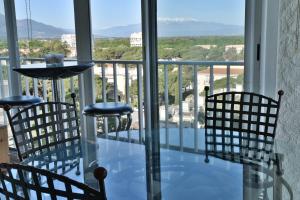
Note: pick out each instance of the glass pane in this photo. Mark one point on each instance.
(200, 43)
(4, 63)
(117, 37)
(40, 31)
(45, 27)
(4, 84)
(201, 32)
(116, 29)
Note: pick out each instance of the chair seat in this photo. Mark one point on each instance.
(108, 108)
(19, 101)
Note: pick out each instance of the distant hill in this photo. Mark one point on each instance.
(166, 28)
(39, 30)
(175, 28)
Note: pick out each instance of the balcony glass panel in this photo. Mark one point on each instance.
(200, 43)
(46, 27)
(117, 53)
(4, 62)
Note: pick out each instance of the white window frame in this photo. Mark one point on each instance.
(261, 28)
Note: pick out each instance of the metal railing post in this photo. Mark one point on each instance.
(228, 78)
(211, 79)
(180, 99)
(116, 95)
(195, 108)
(166, 95)
(140, 102)
(105, 125)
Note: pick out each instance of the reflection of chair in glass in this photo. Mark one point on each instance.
(26, 182)
(240, 126)
(60, 161)
(44, 127)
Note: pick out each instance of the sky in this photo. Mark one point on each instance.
(109, 13)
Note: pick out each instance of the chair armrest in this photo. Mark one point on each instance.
(100, 174)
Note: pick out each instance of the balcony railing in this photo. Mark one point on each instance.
(117, 80)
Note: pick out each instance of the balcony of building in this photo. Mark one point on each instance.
(168, 114)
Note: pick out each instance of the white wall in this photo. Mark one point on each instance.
(288, 73)
(288, 79)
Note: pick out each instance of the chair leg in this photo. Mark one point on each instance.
(77, 167)
(120, 124)
(206, 158)
(129, 121)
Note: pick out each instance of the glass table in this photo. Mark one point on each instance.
(179, 175)
(54, 73)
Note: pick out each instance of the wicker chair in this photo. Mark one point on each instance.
(44, 127)
(26, 182)
(241, 126)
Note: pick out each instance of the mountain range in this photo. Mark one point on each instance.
(39, 30)
(166, 28)
(176, 28)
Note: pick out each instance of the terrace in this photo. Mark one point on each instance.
(156, 158)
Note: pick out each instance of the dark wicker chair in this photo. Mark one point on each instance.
(26, 182)
(241, 126)
(44, 127)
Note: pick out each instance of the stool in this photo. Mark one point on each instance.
(110, 109)
(19, 101)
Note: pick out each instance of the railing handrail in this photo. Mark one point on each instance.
(201, 62)
(136, 73)
(208, 63)
(183, 62)
(118, 61)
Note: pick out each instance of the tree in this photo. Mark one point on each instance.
(39, 48)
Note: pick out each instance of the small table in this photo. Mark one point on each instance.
(42, 71)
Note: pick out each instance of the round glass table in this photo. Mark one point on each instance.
(54, 73)
(136, 171)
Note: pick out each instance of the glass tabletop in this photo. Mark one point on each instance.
(44, 71)
(135, 171)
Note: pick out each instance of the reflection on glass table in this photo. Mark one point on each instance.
(183, 175)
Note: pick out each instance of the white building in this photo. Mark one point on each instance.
(121, 76)
(238, 47)
(70, 39)
(206, 46)
(136, 39)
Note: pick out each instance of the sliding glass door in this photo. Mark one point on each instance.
(200, 43)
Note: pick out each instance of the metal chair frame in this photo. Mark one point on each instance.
(241, 126)
(22, 182)
(43, 127)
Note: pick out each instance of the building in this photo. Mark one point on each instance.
(238, 47)
(136, 39)
(206, 46)
(70, 39)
